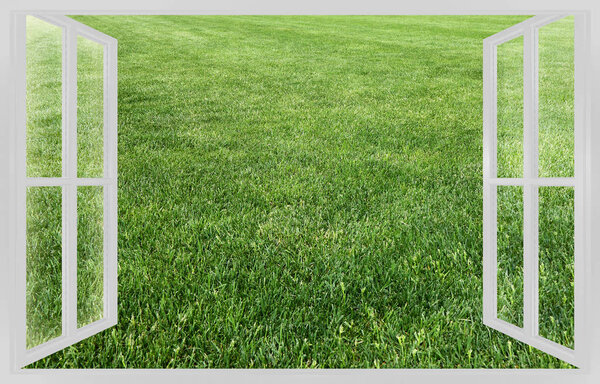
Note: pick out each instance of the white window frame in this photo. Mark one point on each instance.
(531, 182)
(591, 10)
(68, 182)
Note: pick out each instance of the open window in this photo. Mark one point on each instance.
(66, 115)
(66, 264)
(534, 183)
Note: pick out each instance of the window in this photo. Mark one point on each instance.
(533, 196)
(66, 269)
(49, 186)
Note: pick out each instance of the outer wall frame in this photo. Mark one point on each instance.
(589, 9)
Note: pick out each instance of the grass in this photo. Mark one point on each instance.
(90, 236)
(90, 104)
(306, 191)
(556, 113)
(510, 108)
(44, 99)
(43, 275)
(556, 254)
(510, 254)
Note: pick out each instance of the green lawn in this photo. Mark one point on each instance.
(306, 191)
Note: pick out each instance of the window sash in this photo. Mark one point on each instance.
(68, 183)
(530, 181)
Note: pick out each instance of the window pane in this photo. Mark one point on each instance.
(90, 108)
(90, 251)
(510, 108)
(510, 254)
(556, 99)
(43, 265)
(43, 98)
(557, 263)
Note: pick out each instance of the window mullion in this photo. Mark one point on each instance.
(530, 189)
(110, 191)
(69, 272)
(489, 190)
(581, 150)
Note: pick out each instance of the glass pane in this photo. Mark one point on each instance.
(44, 265)
(43, 98)
(90, 108)
(556, 99)
(510, 108)
(557, 263)
(510, 254)
(90, 251)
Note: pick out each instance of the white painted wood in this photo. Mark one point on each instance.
(531, 182)
(57, 181)
(66, 164)
(19, 316)
(582, 195)
(489, 76)
(540, 182)
(69, 183)
(70, 205)
(530, 191)
(110, 172)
